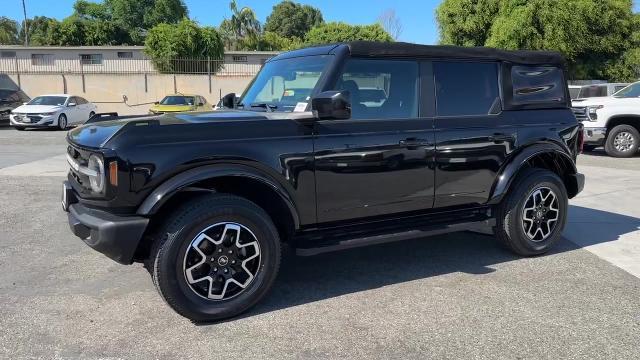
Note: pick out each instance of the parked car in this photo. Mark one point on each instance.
(61, 110)
(612, 122)
(595, 90)
(180, 103)
(464, 138)
(9, 100)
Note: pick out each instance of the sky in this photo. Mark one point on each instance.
(417, 16)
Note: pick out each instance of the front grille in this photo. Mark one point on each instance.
(580, 112)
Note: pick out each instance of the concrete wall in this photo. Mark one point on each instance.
(106, 90)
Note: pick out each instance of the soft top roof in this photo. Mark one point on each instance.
(402, 49)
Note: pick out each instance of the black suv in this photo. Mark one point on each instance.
(329, 147)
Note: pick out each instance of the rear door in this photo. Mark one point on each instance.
(473, 135)
(379, 162)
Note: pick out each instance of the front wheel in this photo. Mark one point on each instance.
(622, 141)
(531, 218)
(62, 121)
(216, 257)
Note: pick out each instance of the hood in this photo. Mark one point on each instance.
(97, 134)
(172, 108)
(606, 100)
(36, 109)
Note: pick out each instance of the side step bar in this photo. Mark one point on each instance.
(483, 226)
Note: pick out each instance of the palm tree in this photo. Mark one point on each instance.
(242, 25)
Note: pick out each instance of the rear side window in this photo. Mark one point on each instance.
(538, 85)
(464, 88)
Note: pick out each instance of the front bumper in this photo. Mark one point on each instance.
(34, 121)
(594, 136)
(115, 236)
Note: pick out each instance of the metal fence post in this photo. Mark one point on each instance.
(209, 72)
(18, 72)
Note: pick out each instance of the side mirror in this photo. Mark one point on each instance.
(332, 105)
(200, 104)
(71, 104)
(24, 103)
(229, 101)
(156, 103)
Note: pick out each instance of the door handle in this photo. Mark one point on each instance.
(500, 137)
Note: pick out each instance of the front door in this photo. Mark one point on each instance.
(473, 136)
(380, 161)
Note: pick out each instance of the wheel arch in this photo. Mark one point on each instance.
(627, 119)
(546, 155)
(237, 179)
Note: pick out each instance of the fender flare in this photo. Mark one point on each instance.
(162, 193)
(512, 168)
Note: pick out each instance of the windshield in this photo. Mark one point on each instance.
(593, 91)
(282, 84)
(631, 91)
(177, 100)
(48, 100)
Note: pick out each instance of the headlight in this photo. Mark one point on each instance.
(96, 180)
(592, 112)
(47, 114)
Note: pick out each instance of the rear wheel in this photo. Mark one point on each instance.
(215, 257)
(531, 218)
(19, 128)
(622, 141)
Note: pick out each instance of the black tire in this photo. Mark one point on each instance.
(167, 261)
(630, 133)
(510, 226)
(19, 128)
(62, 122)
(589, 148)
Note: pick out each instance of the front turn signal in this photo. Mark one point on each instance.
(113, 173)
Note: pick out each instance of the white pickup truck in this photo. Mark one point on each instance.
(612, 121)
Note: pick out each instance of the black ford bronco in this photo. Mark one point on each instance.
(328, 148)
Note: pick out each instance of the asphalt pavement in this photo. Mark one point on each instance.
(456, 296)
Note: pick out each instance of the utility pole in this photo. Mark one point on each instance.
(26, 27)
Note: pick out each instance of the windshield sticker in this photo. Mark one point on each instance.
(300, 107)
(288, 93)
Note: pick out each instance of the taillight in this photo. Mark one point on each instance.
(580, 140)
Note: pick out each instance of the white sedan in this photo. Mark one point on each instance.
(59, 111)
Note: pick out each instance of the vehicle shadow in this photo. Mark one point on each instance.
(599, 152)
(308, 279)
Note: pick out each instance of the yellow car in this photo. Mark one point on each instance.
(179, 103)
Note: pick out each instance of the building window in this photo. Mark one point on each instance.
(91, 59)
(7, 54)
(239, 58)
(125, 54)
(42, 59)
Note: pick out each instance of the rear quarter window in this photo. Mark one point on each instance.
(466, 88)
(537, 85)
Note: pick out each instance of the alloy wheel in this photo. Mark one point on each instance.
(540, 214)
(623, 141)
(221, 261)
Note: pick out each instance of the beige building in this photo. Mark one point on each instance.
(123, 78)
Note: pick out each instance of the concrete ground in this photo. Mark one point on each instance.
(457, 296)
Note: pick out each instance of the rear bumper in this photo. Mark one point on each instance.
(578, 180)
(115, 236)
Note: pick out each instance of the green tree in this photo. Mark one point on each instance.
(292, 20)
(42, 31)
(340, 32)
(185, 40)
(8, 31)
(597, 37)
(132, 16)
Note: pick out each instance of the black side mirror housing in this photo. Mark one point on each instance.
(200, 104)
(229, 101)
(157, 102)
(332, 105)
